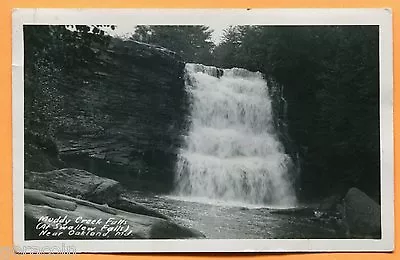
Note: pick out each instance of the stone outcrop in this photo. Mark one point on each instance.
(354, 215)
(84, 185)
(76, 183)
(362, 215)
(123, 119)
(119, 111)
(126, 204)
(49, 215)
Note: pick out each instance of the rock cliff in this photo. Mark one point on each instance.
(120, 110)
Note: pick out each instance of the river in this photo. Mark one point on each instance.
(219, 220)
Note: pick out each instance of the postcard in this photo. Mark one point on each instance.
(202, 130)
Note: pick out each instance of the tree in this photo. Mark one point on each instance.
(226, 53)
(192, 43)
(330, 76)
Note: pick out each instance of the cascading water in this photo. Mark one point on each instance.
(231, 152)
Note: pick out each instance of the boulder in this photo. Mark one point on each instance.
(361, 214)
(76, 183)
(126, 204)
(87, 186)
(49, 215)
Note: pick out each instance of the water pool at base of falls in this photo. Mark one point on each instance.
(220, 220)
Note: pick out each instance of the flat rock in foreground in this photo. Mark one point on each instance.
(85, 185)
(75, 183)
(49, 215)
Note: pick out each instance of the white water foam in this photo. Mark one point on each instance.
(232, 153)
(226, 204)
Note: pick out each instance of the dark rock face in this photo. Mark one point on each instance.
(124, 121)
(361, 214)
(120, 110)
(42, 204)
(41, 152)
(281, 122)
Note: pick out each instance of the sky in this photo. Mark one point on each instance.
(127, 30)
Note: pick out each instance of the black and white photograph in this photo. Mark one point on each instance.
(203, 130)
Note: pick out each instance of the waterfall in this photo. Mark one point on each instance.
(231, 151)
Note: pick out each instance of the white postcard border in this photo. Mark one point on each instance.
(381, 17)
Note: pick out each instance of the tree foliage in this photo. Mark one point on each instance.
(331, 83)
(192, 43)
